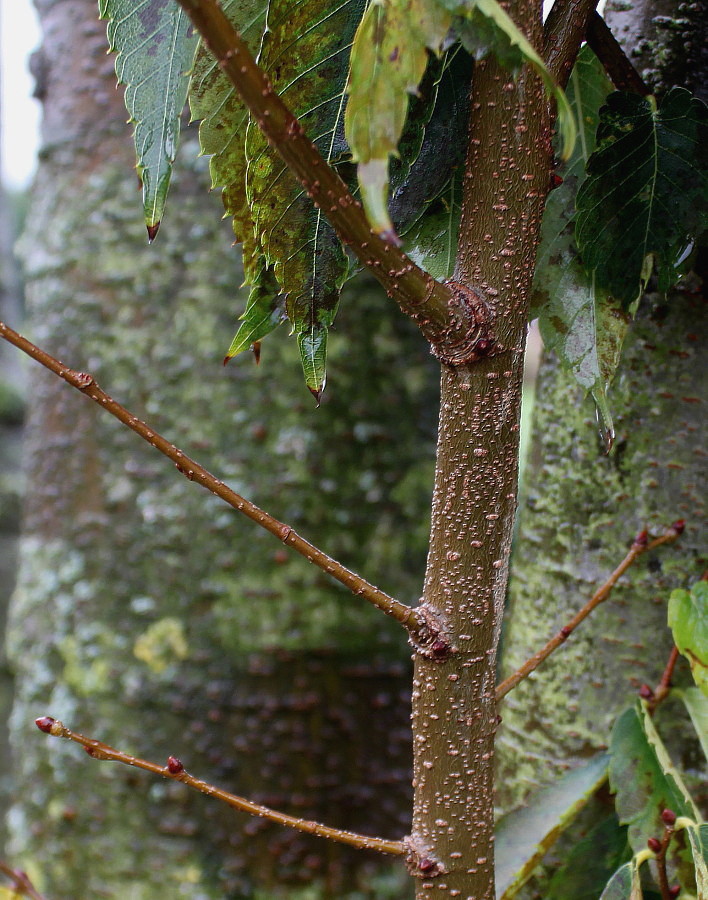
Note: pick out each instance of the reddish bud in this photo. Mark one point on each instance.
(675, 890)
(646, 693)
(427, 865)
(654, 844)
(439, 648)
(668, 817)
(91, 751)
(565, 631)
(679, 526)
(642, 539)
(44, 723)
(556, 180)
(174, 765)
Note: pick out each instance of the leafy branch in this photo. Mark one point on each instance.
(640, 545)
(451, 317)
(176, 771)
(424, 631)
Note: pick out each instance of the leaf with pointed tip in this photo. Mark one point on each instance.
(485, 26)
(155, 48)
(698, 839)
(388, 60)
(645, 782)
(222, 131)
(688, 620)
(265, 310)
(524, 836)
(646, 190)
(579, 320)
(305, 51)
(591, 862)
(624, 884)
(696, 702)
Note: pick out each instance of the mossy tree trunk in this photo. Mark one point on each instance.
(147, 614)
(583, 508)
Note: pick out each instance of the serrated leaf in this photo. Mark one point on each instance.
(646, 190)
(624, 884)
(698, 839)
(501, 35)
(155, 48)
(305, 51)
(265, 310)
(523, 837)
(688, 620)
(645, 782)
(591, 862)
(579, 320)
(696, 703)
(388, 60)
(222, 132)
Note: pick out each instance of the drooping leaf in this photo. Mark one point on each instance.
(305, 51)
(696, 703)
(579, 320)
(388, 59)
(155, 48)
(624, 884)
(432, 241)
(688, 620)
(645, 782)
(524, 836)
(488, 27)
(265, 310)
(591, 862)
(646, 190)
(698, 839)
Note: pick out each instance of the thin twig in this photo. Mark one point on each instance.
(640, 545)
(417, 623)
(563, 33)
(608, 50)
(656, 696)
(21, 883)
(442, 313)
(176, 771)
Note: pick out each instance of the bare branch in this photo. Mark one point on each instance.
(563, 34)
(608, 50)
(447, 315)
(21, 884)
(417, 622)
(176, 771)
(640, 545)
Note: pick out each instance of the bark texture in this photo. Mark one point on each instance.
(583, 508)
(149, 615)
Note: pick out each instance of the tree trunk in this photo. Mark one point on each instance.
(150, 616)
(583, 509)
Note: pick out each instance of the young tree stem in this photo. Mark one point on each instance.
(420, 625)
(608, 50)
(175, 770)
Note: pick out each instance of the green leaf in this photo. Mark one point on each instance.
(432, 241)
(501, 35)
(523, 837)
(388, 60)
(696, 703)
(645, 782)
(688, 620)
(698, 839)
(222, 132)
(591, 862)
(265, 310)
(155, 46)
(624, 884)
(645, 195)
(305, 50)
(578, 320)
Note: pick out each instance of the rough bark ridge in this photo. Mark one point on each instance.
(147, 613)
(454, 715)
(583, 509)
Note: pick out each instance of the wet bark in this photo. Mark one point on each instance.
(150, 616)
(583, 509)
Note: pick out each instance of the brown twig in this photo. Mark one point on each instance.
(640, 545)
(608, 50)
(446, 315)
(654, 697)
(420, 626)
(176, 771)
(563, 34)
(21, 883)
(659, 848)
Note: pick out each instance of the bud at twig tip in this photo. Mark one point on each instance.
(668, 817)
(44, 723)
(678, 526)
(646, 693)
